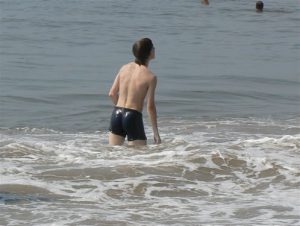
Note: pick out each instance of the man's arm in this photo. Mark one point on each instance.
(114, 90)
(151, 108)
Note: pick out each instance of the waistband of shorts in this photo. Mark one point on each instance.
(128, 109)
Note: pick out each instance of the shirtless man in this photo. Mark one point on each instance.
(133, 84)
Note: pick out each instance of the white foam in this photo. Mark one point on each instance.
(155, 176)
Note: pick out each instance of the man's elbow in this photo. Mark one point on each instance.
(151, 108)
(111, 94)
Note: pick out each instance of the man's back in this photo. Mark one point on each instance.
(134, 83)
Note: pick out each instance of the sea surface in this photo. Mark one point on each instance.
(228, 101)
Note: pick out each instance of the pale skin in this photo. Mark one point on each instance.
(205, 2)
(133, 84)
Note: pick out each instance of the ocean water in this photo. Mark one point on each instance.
(228, 100)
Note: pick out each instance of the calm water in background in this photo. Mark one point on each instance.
(228, 102)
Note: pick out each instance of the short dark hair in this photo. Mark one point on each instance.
(259, 5)
(141, 49)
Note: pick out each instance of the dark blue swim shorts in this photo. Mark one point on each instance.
(127, 122)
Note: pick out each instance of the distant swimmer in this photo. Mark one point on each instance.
(133, 84)
(259, 6)
(205, 2)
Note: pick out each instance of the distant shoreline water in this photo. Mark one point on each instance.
(58, 62)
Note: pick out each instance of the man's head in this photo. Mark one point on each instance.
(259, 6)
(143, 51)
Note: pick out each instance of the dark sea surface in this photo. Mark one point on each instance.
(228, 101)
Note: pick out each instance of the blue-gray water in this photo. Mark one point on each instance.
(228, 102)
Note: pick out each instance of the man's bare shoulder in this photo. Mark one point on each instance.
(145, 71)
(152, 75)
(127, 66)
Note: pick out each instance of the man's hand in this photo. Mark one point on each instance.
(157, 139)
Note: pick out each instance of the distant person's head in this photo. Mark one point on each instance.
(143, 50)
(259, 6)
(205, 2)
